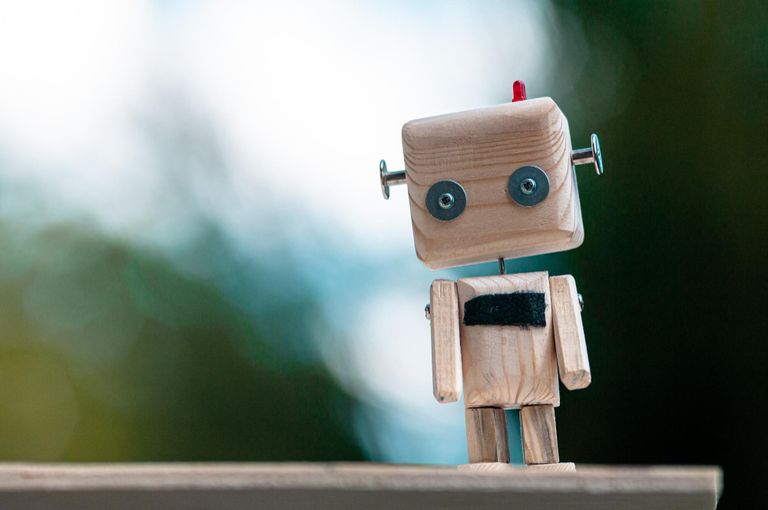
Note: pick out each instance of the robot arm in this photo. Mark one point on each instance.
(570, 344)
(446, 348)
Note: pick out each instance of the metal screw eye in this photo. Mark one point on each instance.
(446, 201)
(528, 186)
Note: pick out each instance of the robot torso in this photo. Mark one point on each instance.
(507, 341)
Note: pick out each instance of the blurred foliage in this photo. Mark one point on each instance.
(673, 269)
(111, 353)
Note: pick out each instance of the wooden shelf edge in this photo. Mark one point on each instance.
(226, 485)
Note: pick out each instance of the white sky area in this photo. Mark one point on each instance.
(305, 98)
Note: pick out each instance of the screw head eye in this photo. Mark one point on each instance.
(446, 200)
(528, 185)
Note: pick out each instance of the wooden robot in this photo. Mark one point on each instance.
(492, 184)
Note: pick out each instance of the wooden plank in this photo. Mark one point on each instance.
(446, 348)
(480, 149)
(508, 366)
(537, 424)
(570, 344)
(487, 435)
(343, 486)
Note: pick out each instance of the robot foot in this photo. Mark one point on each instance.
(487, 467)
(562, 467)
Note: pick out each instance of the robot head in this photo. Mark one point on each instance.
(492, 183)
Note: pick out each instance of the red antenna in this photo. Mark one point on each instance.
(518, 91)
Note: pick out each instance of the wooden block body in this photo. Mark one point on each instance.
(446, 351)
(508, 366)
(480, 149)
(570, 344)
(537, 424)
(487, 435)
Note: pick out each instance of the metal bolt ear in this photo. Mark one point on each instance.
(591, 154)
(389, 178)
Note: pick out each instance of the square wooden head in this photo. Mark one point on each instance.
(492, 183)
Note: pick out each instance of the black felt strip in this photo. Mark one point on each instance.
(516, 309)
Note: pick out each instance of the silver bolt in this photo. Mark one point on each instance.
(446, 201)
(581, 302)
(428, 312)
(527, 186)
(591, 154)
(388, 178)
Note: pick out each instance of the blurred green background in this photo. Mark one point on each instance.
(675, 259)
(207, 299)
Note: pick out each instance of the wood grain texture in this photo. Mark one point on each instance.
(484, 467)
(480, 149)
(499, 466)
(508, 366)
(347, 486)
(537, 424)
(487, 435)
(446, 347)
(570, 344)
(563, 467)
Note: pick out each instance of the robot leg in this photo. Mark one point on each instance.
(487, 435)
